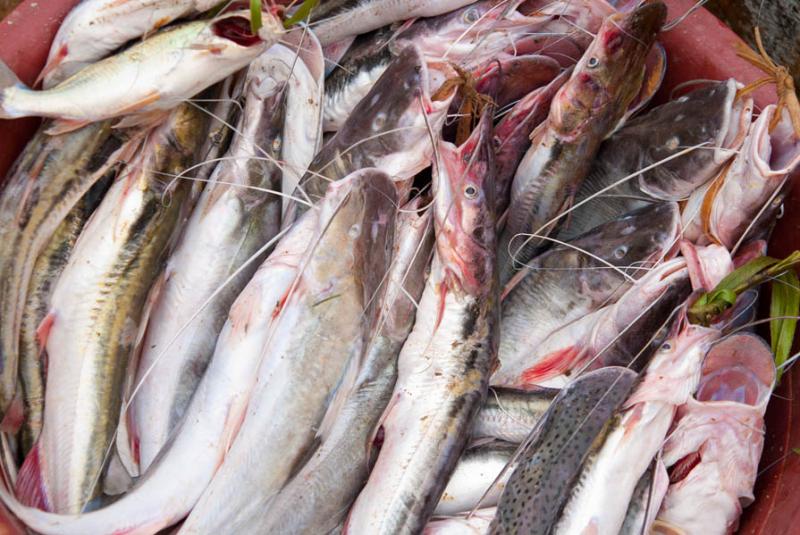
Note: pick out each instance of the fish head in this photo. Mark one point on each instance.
(464, 219)
(231, 34)
(739, 369)
(609, 75)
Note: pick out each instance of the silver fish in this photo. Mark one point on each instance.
(509, 414)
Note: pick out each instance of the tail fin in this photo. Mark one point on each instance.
(30, 486)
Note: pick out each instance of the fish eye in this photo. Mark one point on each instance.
(593, 62)
(276, 144)
(666, 346)
(620, 251)
(471, 16)
(379, 121)
(470, 192)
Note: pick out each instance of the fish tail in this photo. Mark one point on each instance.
(30, 488)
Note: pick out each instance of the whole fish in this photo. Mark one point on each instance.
(509, 414)
(237, 215)
(46, 270)
(390, 129)
(715, 445)
(318, 496)
(552, 456)
(728, 209)
(475, 524)
(476, 478)
(712, 115)
(95, 313)
(646, 499)
(336, 20)
(637, 434)
(167, 492)
(444, 366)
(587, 108)
(95, 28)
(318, 328)
(47, 181)
(154, 75)
(571, 281)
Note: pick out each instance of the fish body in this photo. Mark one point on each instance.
(318, 496)
(646, 499)
(552, 456)
(235, 217)
(509, 414)
(47, 181)
(475, 524)
(587, 108)
(636, 435)
(389, 129)
(475, 479)
(95, 313)
(715, 446)
(48, 267)
(317, 329)
(571, 281)
(95, 28)
(154, 75)
(444, 366)
(711, 115)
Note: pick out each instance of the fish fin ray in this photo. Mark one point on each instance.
(30, 488)
(62, 126)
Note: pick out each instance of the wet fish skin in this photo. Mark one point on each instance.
(646, 499)
(586, 109)
(296, 378)
(148, 77)
(477, 524)
(94, 28)
(711, 114)
(169, 490)
(510, 414)
(390, 133)
(474, 475)
(565, 284)
(94, 316)
(537, 489)
(46, 270)
(317, 498)
(444, 366)
(47, 180)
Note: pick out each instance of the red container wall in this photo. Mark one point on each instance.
(701, 47)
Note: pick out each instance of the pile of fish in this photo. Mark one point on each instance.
(403, 267)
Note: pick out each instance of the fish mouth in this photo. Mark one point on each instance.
(738, 369)
(645, 20)
(738, 114)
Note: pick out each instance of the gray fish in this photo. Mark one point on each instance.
(509, 414)
(551, 460)
(316, 500)
(711, 114)
(587, 108)
(646, 498)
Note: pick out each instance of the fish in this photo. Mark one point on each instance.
(444, 366)
(148, 78)
(551, 457)
(168, 491)
(339, 19)
(318, 328)
(712, 114)
(573, 280)
(714, 448)
(755, 181)
(46, 270)
(646, 499)
(509, 414)
(237, 214)
(317, 498)
(636, 434)
(476, 480)
(46, 182)
(475, 524)
(388, 132)
(586, 109)
(95, 28)
(95, 311)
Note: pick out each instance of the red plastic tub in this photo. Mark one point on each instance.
(701, 47)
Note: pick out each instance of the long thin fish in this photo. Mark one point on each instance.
(95, 313)
(509, 414)
(317, 498)
(445, 364)
(318, 328)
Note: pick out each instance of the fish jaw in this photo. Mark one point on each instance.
(463, 210)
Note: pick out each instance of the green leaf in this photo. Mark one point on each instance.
(785, 302)
(741, 276)
(255, 16)
(301, 13)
